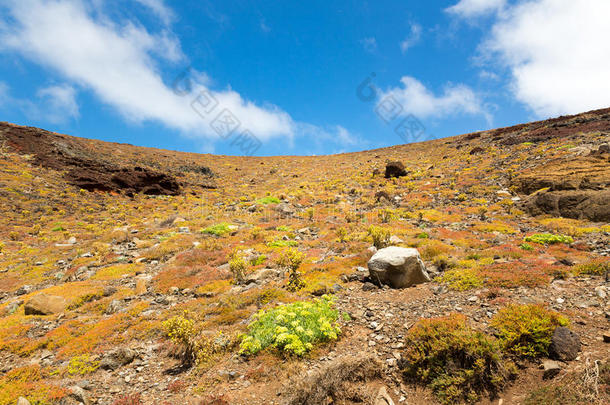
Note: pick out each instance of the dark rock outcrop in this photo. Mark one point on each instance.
(394, 169)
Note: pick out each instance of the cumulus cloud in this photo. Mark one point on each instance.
(120, 64)
(557, 52)
(412, 39)
(476, 8)
(414, 98)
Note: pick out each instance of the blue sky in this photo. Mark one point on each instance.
(287, 77)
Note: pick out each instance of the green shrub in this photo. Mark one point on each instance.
(526, 330)
(283, 228)
(548, 238)
(526, 246)
(462, 279)
(283, 243)
(422, 235)
(597, 267)
(218, 229)
(268, 200)
(380, 236)
(455, 361)
(292, 328)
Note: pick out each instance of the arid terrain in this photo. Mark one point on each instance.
(132, 275)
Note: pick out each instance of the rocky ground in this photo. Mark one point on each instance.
(103, 243)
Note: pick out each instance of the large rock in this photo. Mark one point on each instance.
(395, 169)
(23, 401)
(44, 304)
(397, 267)
(565, 345)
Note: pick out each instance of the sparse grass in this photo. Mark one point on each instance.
(596, 267)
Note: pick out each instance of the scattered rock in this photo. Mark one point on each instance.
(397, 267)
(117, 358)
(383, 398)
(79, 394)
(476, 150)
(369, 287)
(44, 304)
(395, 169)
(565, 345)
(26, 289)
(551, 369)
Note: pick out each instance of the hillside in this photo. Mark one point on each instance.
(129, 275)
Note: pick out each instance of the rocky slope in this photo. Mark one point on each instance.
(103, 243)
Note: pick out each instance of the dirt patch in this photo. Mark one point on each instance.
(84, 168)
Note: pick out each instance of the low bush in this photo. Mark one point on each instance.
(596, 267)
(218, 229)
(548, 238)
(291, 260)
(462, 279)
(455, 361)
(283, 243)
(268, 200)
(194, 348)
(238, 267)
(526, 330)
(293, 328)
(380, 236)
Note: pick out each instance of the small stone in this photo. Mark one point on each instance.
(369, 287)
(600, 292)
(551, 369)
(606, 337)
(474, 298)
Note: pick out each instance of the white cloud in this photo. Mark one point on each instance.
(414, 98)
(4, 93)
(558, 53)
(369, 44)
(118, 64)
(476, 8)
(57, 103)
(332, 139)
(160, 9)
(412, 39)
